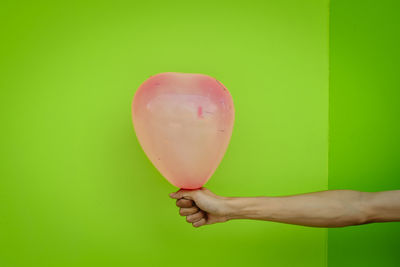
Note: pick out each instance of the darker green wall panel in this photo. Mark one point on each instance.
(364, 122)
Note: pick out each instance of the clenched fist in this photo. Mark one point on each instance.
(201, 206)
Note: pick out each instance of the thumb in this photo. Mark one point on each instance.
(182, 193)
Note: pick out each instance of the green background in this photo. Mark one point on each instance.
(76, 188)
(364, 129)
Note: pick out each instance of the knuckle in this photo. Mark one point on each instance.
(185, 203)
(199, 223)
(179, 202)
(194, 209)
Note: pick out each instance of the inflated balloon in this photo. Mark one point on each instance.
(184, 124)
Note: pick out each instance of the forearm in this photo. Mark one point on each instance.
(384, 206)
(335, 208)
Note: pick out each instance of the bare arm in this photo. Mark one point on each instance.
(335, 208)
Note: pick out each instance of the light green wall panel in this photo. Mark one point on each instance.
(77, 190)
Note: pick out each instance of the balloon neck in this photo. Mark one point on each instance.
(190, 189)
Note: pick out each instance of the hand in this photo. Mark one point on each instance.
(201, 206)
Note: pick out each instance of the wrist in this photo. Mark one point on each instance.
(248, 208)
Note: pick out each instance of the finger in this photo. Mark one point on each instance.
(199, 223)
(184, 203)
(182, 193)
(195, 217)
(188, 211)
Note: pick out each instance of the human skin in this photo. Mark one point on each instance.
(332, 208)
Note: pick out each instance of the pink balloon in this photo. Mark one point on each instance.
(184, 124)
